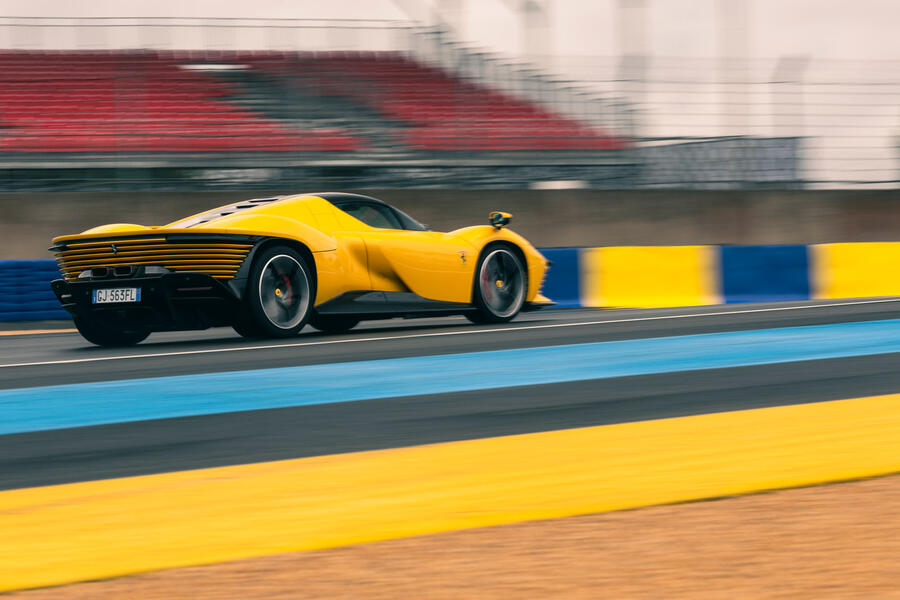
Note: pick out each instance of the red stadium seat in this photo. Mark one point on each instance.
(135, 102)
(441, 111)
(145, 101)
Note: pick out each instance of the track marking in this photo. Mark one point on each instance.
(35, 331)
(109, 528)
(441, 333)
(97, 403)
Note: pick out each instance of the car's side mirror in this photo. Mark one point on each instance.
(499, 219)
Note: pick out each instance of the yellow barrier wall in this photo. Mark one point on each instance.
(855, 270)
(650, 276)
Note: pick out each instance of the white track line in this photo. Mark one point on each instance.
(445, 333)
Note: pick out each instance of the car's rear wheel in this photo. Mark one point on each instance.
(245, 327)
(500, 286)
(332, 323)
(280, 293)
(103, 334)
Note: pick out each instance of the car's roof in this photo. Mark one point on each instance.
(230, 209)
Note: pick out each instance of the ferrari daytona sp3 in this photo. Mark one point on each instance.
(269, 266)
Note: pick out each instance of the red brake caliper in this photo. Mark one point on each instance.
(486, 290)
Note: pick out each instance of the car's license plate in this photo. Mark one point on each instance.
(108, 295)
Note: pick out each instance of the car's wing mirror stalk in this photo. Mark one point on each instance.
(499, 219)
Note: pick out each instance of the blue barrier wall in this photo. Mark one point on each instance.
(764, 273)
(25, 293)
(563, 277)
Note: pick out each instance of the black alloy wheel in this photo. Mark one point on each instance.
(280, 293)
(500, 286)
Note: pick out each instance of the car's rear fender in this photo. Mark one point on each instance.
(278, 227)
(238, 283)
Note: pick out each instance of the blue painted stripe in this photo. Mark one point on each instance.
(54, 407)
(562, 282)
(764, 273)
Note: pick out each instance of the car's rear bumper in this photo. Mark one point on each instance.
(170, 302)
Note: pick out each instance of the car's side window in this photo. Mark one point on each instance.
(408, 222)
(373, 215)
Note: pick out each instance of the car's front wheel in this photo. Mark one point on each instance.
(500, 286)
(280, 293)
(103, 334)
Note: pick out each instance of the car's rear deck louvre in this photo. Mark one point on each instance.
(151, 248)
(220, 257)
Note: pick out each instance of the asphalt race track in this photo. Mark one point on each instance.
(143, 446)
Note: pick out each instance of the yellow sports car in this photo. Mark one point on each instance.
(269, 266)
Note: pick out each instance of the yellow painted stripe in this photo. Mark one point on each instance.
(35, 331)
(650, 276)
(855, 270)
(73, 532)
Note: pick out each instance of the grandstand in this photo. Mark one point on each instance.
(150, 101)
(409, 106)
(439, 110)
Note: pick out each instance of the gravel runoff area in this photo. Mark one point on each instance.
(837, 541)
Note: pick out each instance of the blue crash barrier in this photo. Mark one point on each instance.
(25, 293)
(765, 273)
(562, 282)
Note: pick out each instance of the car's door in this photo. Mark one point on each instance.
(404, 256)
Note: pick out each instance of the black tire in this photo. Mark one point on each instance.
(245, 328)
(332, 323)
(500, 286)
(280, 293)
(109, 336)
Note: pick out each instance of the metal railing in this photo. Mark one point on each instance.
(183, 33)
(845, 114)
(524, 80)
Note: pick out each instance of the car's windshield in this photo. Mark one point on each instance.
(409, 222)
(382, 216)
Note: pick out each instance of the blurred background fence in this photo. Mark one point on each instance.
(173, 103)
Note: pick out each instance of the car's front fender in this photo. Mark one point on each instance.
(480, 236)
